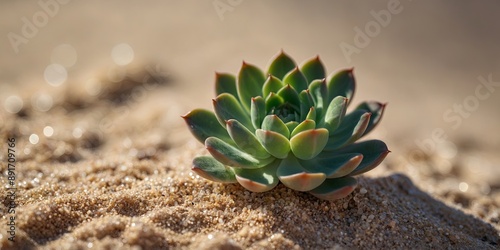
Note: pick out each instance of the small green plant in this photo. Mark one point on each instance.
(287, 125)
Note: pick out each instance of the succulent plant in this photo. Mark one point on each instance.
(287, 125)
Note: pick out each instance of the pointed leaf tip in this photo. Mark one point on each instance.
(313, 69)
(249, 84)
(232, 156)
(341, 83)
(296, 79)
(209, 168)
(280, 65)
(203, 124)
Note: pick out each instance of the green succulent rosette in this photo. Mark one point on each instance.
(290, 125)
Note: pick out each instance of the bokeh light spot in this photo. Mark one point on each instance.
(42, 102)
(48, 131)
(13, 104)
(55, 74)
(122, 54)
(34, 139)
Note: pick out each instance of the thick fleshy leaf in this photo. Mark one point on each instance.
(313, 69)
(319, 93)
(294, 176)
(203, 124)
(377, 110)
(272, 84)
(374, 152)
(335, 113)
(225, 83)
(273, 101)
(246, 140)
(275, 143)
(334, 189)
(334, 166)
(290, 96)
(311, 115)
(303, 126)
(227, 107)
(209, 168)
(280, 65)
(232, 156)
(306, 103)
(250, 81)
(260, 179)
(274, 123)
(257, 111)
(296, 79)
(352, 128)
(308, 144)
(342, 83)
(291, 125)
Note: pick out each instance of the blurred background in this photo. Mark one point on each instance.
(436, 63)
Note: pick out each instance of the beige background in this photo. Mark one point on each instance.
(426, 59)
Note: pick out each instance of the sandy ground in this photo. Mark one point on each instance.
(131, 186)
(103, 157)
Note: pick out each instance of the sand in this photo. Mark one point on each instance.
(115, 174)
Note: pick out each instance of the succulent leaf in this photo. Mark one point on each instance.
(303, 126)
(377, 111)
(319, 93)
(311, 115)
(308, 144)
(290, 96)
(258, 180)
(274, 123)
(306, 103)
(334, 189)
(231, 156)
(209, 168)
(203, 124)
(250, 81)
(290, 126)
(352, 128)
(334, 166)
(273, 101)
(272, 84)
(275, 143)
(246, 140)
(374, 152)
(280, 65)
(294, 176)
(225, 83)
(313, 69)
(257, 111)
(227, 107)
(335, 113)
(296, 79)
(342, 83)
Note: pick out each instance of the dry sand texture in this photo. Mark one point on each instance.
(103, 158)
